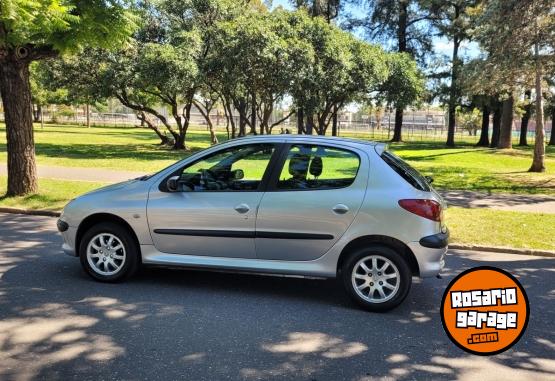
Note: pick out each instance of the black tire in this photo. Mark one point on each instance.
(404, 277)
(129, 265)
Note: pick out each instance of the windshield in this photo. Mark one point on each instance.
(411, 175)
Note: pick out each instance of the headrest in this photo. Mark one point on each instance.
(316, 166)
(298, 165)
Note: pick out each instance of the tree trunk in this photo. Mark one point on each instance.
(496, 125)
(87, 111)
(300, 121)
(242, 121)
(552, 137)
(525, 119)
(379, 115)
(229, 118)
(402, 26)
(453, 90)
(36, 113)
(16, 98)
(538, 163)
(397, 130)
(213, 137)
(186, 123)
(484, 133)
(41, 118)
(506, 131)
(334, 122)
(253, 113)
(309, 123)
(402, 47)
(164, 140)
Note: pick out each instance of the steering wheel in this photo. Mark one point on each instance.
(206, 176)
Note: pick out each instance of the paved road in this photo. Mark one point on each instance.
(56, 324)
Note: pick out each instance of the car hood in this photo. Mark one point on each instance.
(109, 188)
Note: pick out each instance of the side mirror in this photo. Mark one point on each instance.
(237, 174)
(173, 184)
(429, 179)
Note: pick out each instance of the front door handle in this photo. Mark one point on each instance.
(242, 208)
(340, 209)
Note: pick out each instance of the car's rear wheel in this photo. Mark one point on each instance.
(376, 277)
(108, 252)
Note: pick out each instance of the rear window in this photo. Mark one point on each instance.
(411, 175)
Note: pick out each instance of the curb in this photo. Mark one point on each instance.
(31, 212)
(490, 249)
(506, 250)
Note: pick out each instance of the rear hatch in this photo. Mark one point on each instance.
(413, 177)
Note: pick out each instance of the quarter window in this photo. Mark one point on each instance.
(318, 167)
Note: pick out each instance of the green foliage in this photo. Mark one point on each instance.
(244, 56)
(405, 24)
(470, 120)
(405, 83)
(44, 94)
(64, 25)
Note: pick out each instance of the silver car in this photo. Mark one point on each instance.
(282, 204)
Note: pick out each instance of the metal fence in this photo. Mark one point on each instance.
(418, 125)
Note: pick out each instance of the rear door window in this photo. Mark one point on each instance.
(318, 167)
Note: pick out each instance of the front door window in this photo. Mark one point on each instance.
(231, 170)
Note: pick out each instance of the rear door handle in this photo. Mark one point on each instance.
(340, 209)
(242, 208)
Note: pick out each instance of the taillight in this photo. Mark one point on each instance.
(429, 209)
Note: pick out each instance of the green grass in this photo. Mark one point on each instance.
(136, 149)
(467, 167)
(491, 227)
(117, 148)
(52, 195)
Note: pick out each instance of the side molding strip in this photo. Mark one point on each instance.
(243, 234)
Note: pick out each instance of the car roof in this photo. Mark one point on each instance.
(317, 139)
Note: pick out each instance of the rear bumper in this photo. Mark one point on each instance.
(436, 241)
(430, 253)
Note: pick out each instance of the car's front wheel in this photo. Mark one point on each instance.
(108, 252)
(377, 278)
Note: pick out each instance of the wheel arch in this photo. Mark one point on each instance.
(97, 218)
(390, 242)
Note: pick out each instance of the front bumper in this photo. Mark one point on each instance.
(68, 234)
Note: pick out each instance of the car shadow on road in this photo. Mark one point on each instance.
(57, 324)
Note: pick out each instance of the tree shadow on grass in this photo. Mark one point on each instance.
(55, 323)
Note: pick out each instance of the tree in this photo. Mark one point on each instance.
(255, 60)
(328, 9)
(42, 94)
(404, 85)
(524, 47)
(452, 19)
(469, 121)
(404, 23)
(78, 76)
(38, 29)
(344, 69)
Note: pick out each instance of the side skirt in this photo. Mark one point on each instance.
(319, 268)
